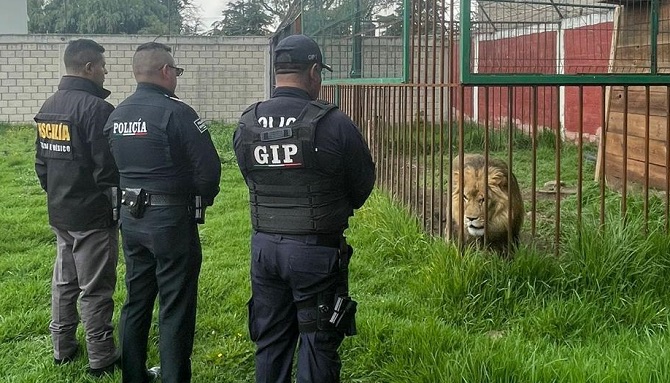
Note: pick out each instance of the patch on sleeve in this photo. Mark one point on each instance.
(200, 124)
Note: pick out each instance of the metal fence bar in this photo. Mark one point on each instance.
(580, 158)
(603, 154)
(646, 160)
(667, 160)
(624, 164)
(557, 161)
(533, 164)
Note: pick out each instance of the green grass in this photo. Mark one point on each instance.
(597, 313)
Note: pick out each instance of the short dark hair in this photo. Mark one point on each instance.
(152, 46)
(80, 52)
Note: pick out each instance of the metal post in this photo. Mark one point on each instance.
(357, 42)
(654, 36)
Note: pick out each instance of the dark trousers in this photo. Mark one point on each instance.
(163, 257)
(286, 273)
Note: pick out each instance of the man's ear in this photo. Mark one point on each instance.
(88, 68)
(163, 71)
(315, 71)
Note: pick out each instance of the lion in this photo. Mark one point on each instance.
(502, 192)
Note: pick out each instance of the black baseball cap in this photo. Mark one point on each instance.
(299, 49)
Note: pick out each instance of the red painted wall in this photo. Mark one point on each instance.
(586, 50)
(533, 53)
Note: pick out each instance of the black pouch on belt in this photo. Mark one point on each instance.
(136, 200)
(344, 315)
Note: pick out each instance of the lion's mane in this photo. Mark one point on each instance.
(502, 191)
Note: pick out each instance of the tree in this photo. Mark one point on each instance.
(392, 24)
(427, 16)
(280, 8)
(333, 17)
(192, 20)
(107, 17)
(243, 18)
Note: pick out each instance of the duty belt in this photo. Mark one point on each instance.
(151, 199)
(326, 240)
(166, 200)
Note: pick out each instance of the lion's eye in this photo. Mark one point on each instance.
(481, 201)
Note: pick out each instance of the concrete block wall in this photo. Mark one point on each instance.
(222, 76)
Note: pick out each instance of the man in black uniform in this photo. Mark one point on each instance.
(307, 168)
(166, 159)
(76, 169)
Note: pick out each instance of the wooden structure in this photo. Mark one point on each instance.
(638, 126)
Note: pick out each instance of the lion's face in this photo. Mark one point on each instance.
(474, 213)
(474, 199)
(486, 201)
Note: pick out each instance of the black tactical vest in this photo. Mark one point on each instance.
(288, 192)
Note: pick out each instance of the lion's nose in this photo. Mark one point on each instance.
(470, 219)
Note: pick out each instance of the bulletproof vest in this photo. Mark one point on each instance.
(287, 191)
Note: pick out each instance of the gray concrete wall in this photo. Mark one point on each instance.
(222, 77)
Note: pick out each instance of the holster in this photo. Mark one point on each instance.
(136, 200)
(115, 199)
(344, 309)
(344, 315)
(198, 210)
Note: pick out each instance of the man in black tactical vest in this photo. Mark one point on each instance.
(77, 170)
(307, 168)
(166, 159)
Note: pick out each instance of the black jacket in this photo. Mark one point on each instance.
(161, 145)
(73, 161)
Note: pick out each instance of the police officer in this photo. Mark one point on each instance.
(76, 169)
(307, 168)
(166, 159)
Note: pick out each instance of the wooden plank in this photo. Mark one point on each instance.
(636, 125)
(636, 148)
(637, 101)
(664, 10)
(663, 35)
(608, 91)
(634, 16)
(632, 59)
(634, 52)
(663, 53)
(632, 66)
(634, 35)
(640, 88)
(635, 170)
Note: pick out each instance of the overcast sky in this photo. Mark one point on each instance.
(210, 10)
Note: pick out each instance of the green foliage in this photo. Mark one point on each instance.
(243, 18)
(431, 19)
(327, 17)
(596, 313)
(392, 24)
(107, 17)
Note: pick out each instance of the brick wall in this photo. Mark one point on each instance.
(223, 75)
